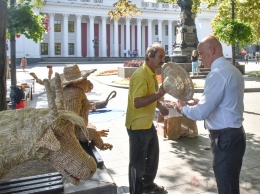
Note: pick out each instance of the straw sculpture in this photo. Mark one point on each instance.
(102, 104)
(52, 80)
(177, 125)
(75, 85)
(45, 134)
(93, 105)
(177, 82)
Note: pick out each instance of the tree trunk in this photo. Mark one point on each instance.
(3, 67)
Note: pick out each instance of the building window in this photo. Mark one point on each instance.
(71, 26)
(156, 29)
(57, 26)
(71, 48)
(57, 48)
(166, 30)
(44, 48)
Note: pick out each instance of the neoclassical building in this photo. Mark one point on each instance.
(83, 28)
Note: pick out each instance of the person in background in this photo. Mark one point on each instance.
(194, 62)
(222, 107)
(143, 99)
(246, 58)
(23, 63)
(257, 58)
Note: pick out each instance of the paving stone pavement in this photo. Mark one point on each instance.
(185, 164)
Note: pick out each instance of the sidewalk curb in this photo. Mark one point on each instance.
(196, 90)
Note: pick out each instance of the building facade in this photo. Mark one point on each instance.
(83, 28)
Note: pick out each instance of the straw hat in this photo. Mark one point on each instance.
(177, 82)
(72, 74)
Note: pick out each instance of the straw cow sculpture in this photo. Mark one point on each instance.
(49, 135)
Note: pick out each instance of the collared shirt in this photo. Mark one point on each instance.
(222, 103)
(143, 83)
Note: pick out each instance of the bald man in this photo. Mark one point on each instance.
(221, 106)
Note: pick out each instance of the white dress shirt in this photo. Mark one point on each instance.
(222, 103)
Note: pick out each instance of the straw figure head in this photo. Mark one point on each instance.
(72, 74)
(177, 82)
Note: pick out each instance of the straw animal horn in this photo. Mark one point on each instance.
(59, 92)
(51, 100)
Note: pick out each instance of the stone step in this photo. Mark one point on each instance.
(204, 69)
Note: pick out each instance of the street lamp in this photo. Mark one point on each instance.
(95, 42)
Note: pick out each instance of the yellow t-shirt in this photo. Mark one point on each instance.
(143, 83)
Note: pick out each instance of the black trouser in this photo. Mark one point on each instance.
(228, 149)
(144, 159)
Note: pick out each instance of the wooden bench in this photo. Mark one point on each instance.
(45, 183)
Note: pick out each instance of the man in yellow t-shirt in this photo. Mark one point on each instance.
(143, 99)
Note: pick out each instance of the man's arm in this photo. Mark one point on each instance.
(145, 101)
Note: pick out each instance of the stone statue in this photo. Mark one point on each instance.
(185, 5)
(186, 34)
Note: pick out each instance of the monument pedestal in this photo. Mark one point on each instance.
(186, 34)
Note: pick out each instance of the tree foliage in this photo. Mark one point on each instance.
(246, 14)
(246, 17)
(21, 19)
(125, 9)
(232, 32)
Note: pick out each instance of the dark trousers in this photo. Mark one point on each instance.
(144, 159)
(228, 149)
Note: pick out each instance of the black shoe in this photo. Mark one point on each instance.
(155, 190)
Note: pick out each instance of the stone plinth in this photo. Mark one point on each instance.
(186, 66)
(125, 72)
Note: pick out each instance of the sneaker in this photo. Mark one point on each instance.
(156, 190)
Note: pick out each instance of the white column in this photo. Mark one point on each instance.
(160, 31)
(51, 35)
(78, 36)
(150, 34)
(170, 37)
(65, 35)
(104, 37)
(139, 36)
(122, 40)
(142, 52)
(115, 38)
(127, 34)
(133, 37)
(91, 36)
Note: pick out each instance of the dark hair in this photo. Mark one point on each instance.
(153, 50)
(17, 94)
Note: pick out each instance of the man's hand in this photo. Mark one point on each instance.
(193, 102)
(163, 109)
(161, 92)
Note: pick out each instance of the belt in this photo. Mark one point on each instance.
(217, 131)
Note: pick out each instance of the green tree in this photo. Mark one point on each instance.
(22, 20)
(18, 19)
